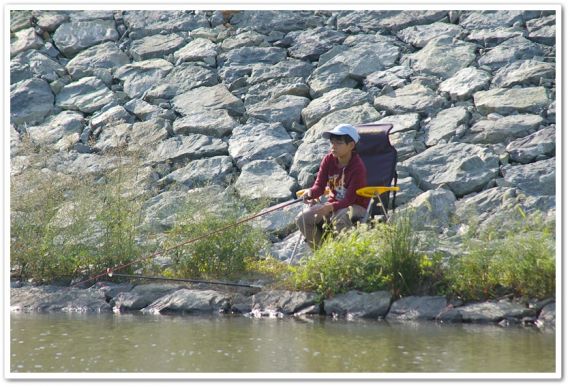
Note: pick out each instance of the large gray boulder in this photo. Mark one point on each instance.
(56, 128)
(216, 123)
(144, 23)
(541, 144)
(419, 36)
(198, 50)
(432, 209)
(156, 46)
(525, 72)
(283, 301)
(87, 95)
(208, 98)
(517, 48)
(268, 21)
(413, 98)
(275, 88)
(214, 170)
(334, 100)
(265, 180)
(181, 149)
(462, 168)
(307, 160)
(417, 308)
(104, 57)
(260, 141)
(33, 63)
(311, 44)
(141, 296)
(57, 299)
(190, 301)
(31, 101)
(490, 19)
(285, 109)
(182, 78)
(502, 129)
(445, 125)
(355, 304)
(372, 21)
(138, 77)
(465, 83)
(538, 178)
(24, 40)
(443, 57)
(250, 56)
(289, 68)
(508, 101)
(486, 312)
(147, 133)
(71, 38)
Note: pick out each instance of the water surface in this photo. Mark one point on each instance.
(61, 343)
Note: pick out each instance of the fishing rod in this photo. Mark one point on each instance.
(156, 278)
(192, 240)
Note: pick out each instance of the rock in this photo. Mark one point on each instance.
(190, 301)
(390, 79)
(517, 48)
(144, 110)
(37, 65)
(408, 191)
(360, 114)
(486, 312)
(503, 129)
(24, 40)
(311, 44)
(92, 15)
(31, 101)
(94, 60)
(494, 36)
(445, 124)
(538, 178)
(87, 95)
(144, 23)
(264, 179)
(244, 39)
(307, 160)
(250, 56)
(141, 296)
(413, 98)
(57, 299)
(524, 72)
(273, 89)
(548, 315)
(181, 149)
(419, 36)
(334, 100)
(283, 250)
(215, 122)
(183, 77)
(432, 209)
(443, 57)
(198, 50)
(345, 66)
(355, 304)
(463, 168)
(113, 137)
(163, 211)
(465, 83)
(372, 21)
(289, 68)
(149, 132)
(492, 203)
(283, 301)
(285, 109)
(541, 144)
(50, 20)
(208, 98)
(116, 114)
(545, 35)
(279, 223)
(140, 76)
(268, 21)
(20, 19)
(402, 122)
(508, 101)
(217, 170)
(259, 141)
(71, 38)
(417, 308)
(490, 19)
(155, 46)
(56, 127)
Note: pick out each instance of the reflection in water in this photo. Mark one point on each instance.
(134, 343)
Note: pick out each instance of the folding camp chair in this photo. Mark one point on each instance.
(380, 158)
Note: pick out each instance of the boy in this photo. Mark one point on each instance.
(343, 171)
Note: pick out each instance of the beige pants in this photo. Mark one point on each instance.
(310, 224)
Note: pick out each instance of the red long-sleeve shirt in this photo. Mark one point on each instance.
(342, 181)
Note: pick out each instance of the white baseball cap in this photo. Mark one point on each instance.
(341, 130)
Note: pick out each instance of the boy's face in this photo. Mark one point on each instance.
(339, 146)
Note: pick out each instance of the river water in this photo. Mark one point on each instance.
(61, 343)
